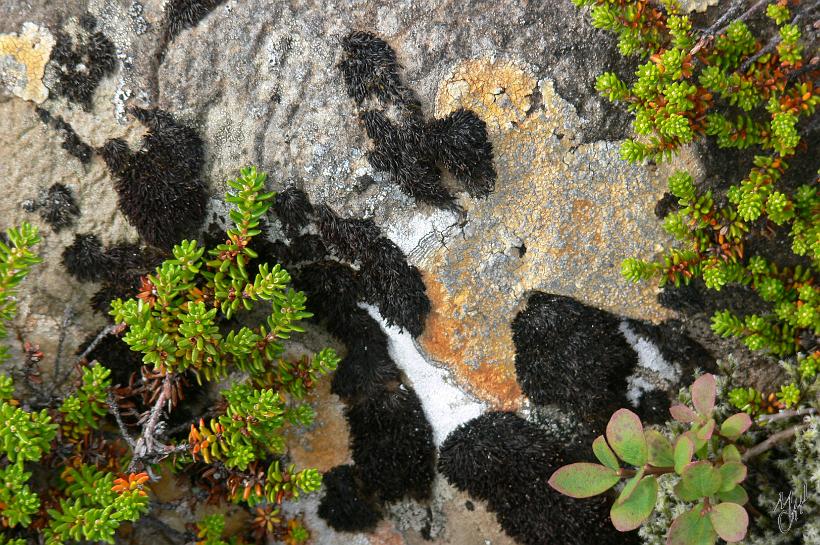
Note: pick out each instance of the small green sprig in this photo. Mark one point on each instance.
(96, 505)
(16, 260)
(84, 409)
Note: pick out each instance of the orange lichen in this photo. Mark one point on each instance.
(325, 444)
(495, 384)
(30, 51)
(563, 215)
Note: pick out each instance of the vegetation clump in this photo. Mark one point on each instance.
(95, 469)
(747, 89)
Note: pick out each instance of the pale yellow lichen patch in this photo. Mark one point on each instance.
(23, 59)
(498, 91)
(562, 217)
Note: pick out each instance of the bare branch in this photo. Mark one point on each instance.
(115, 410)
(763, 446)
(783, 415)
(108, 330)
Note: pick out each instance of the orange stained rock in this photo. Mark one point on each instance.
(576, 208)
(325, 444)
(495, 384)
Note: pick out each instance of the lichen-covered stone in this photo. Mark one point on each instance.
(23, 59)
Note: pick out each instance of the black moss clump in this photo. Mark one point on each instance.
(571, 355)
(117, 155)
(306, 248)
(675, 345)
(71, 142)
(400, 152)
(350, 238)
(119, 268)
(331, 287)
(57, 207)
(342, 506)
(392, 445)
(407, 148)
(367, 369)
(85, 259)
(158, 187)
(386, 279)
(395, 286)
(293, 209)
(460, 142)
(81, 67)
(182, 14)
(506, 461)
(370, 67)
(391, 440)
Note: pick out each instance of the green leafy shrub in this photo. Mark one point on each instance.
(93, 474)
(730, 84)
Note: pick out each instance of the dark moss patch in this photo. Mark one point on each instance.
(158, 187)
(119, 267)
(399, 152)
(384, 278)
(392, 444)
(408, 149)
(342, 506)
(84, 258)
(396, 287)
(71, 142)
(370, 68)
(507, 462)
(293, 209)
(182, 14)
(57, 206)
(571, 355)
(82, 62)
(459, 141)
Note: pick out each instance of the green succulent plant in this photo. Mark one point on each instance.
(704, 459)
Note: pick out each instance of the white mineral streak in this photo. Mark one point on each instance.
(649, 359)
(444, 404)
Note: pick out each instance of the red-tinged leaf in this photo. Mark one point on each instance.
(583, 480)
(604, 453)
(630, 514)
(701, 479)
(660, 449)
(624, 433)
(684, 449)
(736, 495)
(631, 485)
(730, 521)
(730, 454)
(731, 473)
(691, 529)
(734, 426)
(704, 390)
(682, 413)
(705, 432)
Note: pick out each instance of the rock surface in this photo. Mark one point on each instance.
(258, 81)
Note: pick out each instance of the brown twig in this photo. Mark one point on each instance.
(783, 415)
(115, 410)
(147, 448)
(775, 41)
(717, 30)
(763, 446)
(108, 330)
